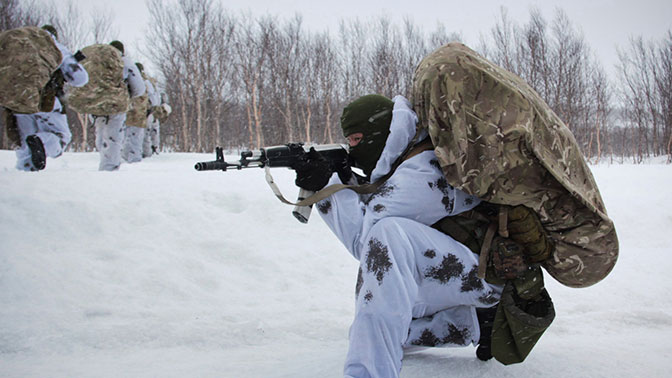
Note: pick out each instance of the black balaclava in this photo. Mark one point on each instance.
(370, 115)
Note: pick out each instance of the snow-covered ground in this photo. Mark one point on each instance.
(158, 270)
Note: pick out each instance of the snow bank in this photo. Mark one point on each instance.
(160, 270)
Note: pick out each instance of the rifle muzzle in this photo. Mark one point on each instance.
(211, 166)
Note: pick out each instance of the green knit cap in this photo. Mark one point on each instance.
(370, 115)
(367, 114)
(118, 45)
(51, 29)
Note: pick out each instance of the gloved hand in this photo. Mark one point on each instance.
(313, 172)
(507, 258)
(525, 228)
(344, 170)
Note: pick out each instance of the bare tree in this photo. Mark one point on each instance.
(287, 73)
(10, 14)
(327, 70)
(222, 86)
(646, 84)
(504, 39)
(558, 64)
(601, 108)
(440, 36)
(384, 59)
(251, 46)
(186, 43)
(664, 87)
(101, 28)
(14, 14)
(354, 39)
(535, 52)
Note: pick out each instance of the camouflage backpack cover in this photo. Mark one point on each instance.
(156, 110)
(106, 93)
(497, 139)
(137, 114)
(28, 57)
(160, 113)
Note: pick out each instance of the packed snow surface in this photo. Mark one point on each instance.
(158, 270)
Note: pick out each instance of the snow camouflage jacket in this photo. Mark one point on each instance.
(28, 57)
(106, 92)
(496, 139)
(398, 196)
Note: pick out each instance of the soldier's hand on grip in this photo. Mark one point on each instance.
(312, 172)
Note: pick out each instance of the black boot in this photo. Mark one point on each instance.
(37, 154)
(486, 319)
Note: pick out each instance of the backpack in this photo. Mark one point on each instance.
(495, 138)
(137, 114)
(161, 113)
(28, 58)
(106, 93)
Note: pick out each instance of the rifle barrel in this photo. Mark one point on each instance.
(211, 166)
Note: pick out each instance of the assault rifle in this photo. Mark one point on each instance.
(287, 156)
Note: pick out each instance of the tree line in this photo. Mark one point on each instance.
(243, 81)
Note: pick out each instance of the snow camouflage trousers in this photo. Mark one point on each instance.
(495, 138)
(416, 287)
(133, 139)
(52, 129)
(151, 141)
(109, 138)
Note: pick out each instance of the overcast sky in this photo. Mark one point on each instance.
(604, 23)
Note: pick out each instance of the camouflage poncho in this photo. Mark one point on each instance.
(495, 138)
(106, 92)
(28, 57)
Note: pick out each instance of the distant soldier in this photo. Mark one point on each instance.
(159, 112)
(110, 130)
(114, 81)
(46, 133)
(136, 121)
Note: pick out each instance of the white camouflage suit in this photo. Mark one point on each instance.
(416, 285)
(133, 150)
(152, 131)
(110, 129)
(51, 127)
